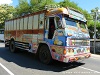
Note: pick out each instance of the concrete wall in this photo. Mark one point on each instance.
(97, 46)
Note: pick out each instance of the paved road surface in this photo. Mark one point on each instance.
(24, 63)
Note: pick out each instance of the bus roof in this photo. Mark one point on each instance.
(67, 11)
(26, 15)
(72, 13)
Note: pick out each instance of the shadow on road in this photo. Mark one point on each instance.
(27, 60)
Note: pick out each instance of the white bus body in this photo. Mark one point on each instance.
(1, 34)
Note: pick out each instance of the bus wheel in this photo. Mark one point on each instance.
(45, 55)
(12, 46)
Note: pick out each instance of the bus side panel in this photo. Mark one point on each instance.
(27, 31)
(32, 31)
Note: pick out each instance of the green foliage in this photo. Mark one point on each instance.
(34, 5)
(6, 12)
(40, 3)
(26, 7)
(91, 23)
(22, 9)
(67, 3)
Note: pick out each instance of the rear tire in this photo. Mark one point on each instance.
(12, 46)
(45, 55)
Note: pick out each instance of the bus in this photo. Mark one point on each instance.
(1, 34)
(56, 33)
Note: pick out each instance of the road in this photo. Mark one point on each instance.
(24, 63)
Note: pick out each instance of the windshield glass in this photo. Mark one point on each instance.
(70, 22)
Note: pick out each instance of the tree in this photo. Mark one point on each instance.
(68, 3)
(6, 12)
(91, 24)
(22, 9)
(37, 5)
(25, 7)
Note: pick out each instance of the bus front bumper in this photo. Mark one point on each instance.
(76, 57)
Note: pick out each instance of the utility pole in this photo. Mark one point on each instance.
(95, 32)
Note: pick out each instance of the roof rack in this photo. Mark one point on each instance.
(47, 7)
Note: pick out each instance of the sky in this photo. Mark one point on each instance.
(84, 4)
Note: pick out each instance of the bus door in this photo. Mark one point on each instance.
(51, 28)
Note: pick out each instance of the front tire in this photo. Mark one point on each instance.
(45, 55)
(12, 46)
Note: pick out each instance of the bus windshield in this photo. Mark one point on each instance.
(70, 22)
